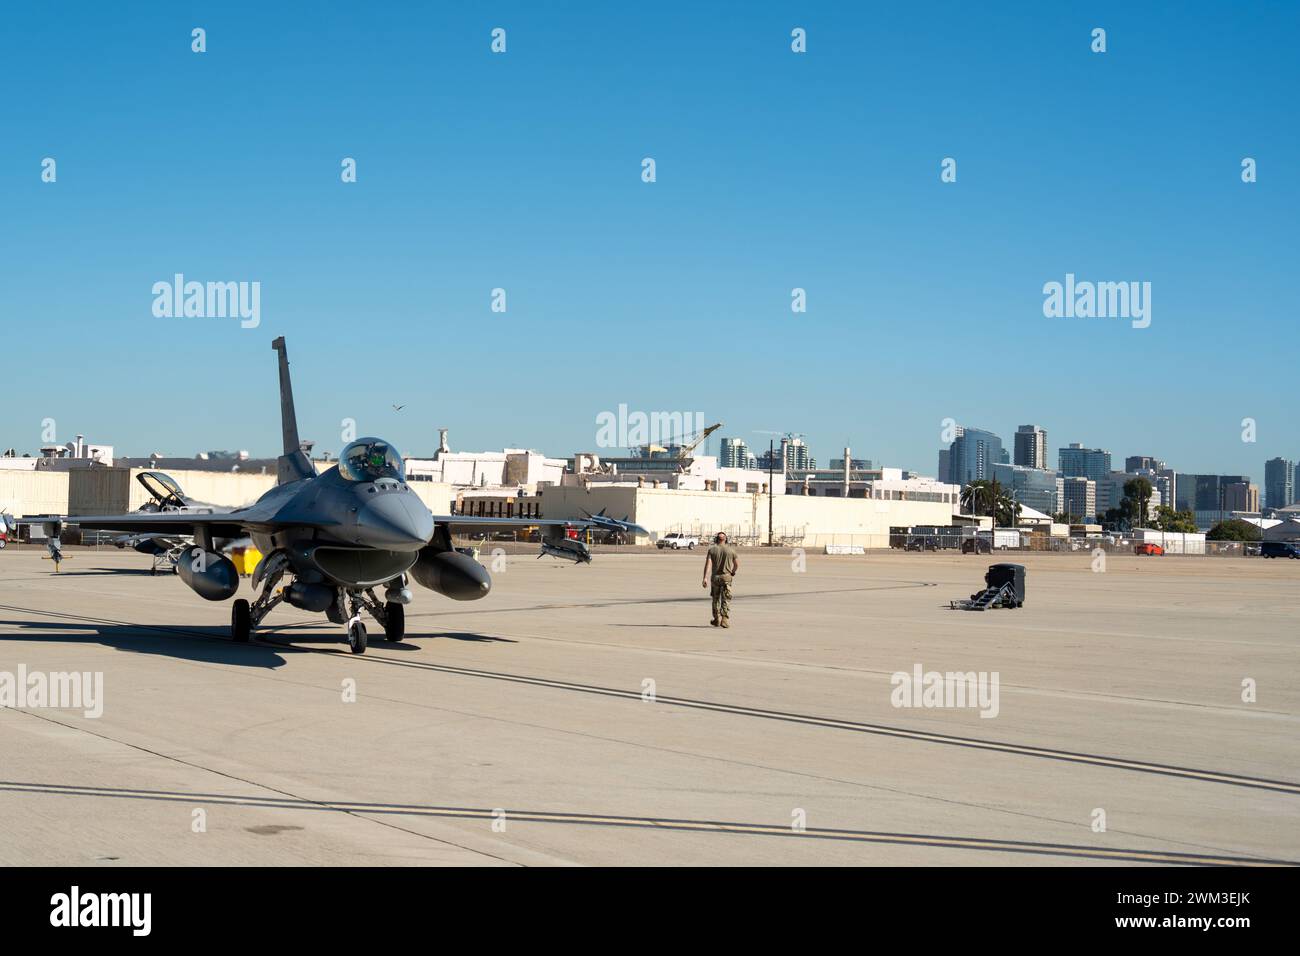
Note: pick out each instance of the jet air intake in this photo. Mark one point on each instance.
(212, 576)
(452, 574)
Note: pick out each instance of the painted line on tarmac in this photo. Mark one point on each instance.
(882, 730)
(1113, 854)
(1118, 763)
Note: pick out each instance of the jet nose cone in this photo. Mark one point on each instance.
(398, 522)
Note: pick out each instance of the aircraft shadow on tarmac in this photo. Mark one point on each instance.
(293, 635)
(313, 634)
(101, 572)
(210, 645)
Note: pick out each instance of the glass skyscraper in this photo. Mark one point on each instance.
(1031, 446)
(972, 456)
(1033, 487)
(1079, 462)
(1279, 483)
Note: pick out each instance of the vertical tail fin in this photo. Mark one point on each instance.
(293, 463)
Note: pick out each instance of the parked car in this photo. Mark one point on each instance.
(1279, 549)
(677, 540)
(1148, 548)
(976, 546)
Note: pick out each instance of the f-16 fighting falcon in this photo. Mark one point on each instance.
(624, 524)
(164, 495)
(338, 536)
(165, 549)
(52, 526)
(616, 526)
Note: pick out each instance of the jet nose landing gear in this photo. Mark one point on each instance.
(357, 636)
(356, 630)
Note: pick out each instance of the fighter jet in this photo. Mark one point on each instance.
(165, 549)
(618, 526)
(51, 525)
(336, 536)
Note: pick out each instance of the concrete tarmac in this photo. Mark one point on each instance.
(590, 715)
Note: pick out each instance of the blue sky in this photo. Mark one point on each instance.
(774, 171)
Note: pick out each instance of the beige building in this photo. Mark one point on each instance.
(28, 491)
(796, 519)
(98, 490)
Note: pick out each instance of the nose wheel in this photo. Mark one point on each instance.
(357, 637)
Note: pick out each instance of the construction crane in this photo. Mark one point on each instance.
(685, 451)
(679, 449)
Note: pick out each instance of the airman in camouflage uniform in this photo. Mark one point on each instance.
(725, 564)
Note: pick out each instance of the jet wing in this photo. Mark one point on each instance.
(221, 525)
(458, 524)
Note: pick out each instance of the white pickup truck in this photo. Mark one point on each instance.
(678, 540)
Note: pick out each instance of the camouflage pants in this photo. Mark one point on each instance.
(721, 593)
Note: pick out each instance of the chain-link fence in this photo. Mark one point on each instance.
(964, 539)
(1172, 544)
(741, 535)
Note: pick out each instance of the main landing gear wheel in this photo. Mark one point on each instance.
(394, 621)
(241, 621)
(357, 637)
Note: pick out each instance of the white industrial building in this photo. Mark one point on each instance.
(511, 467)
(520, 469)
(1173, 542)
(699, 496)
(74, 454)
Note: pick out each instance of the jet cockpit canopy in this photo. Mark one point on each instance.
(369, 458)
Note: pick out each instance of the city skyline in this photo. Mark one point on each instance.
(757, 452)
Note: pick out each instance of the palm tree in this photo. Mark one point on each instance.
(977, 496)
(1138, 492)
